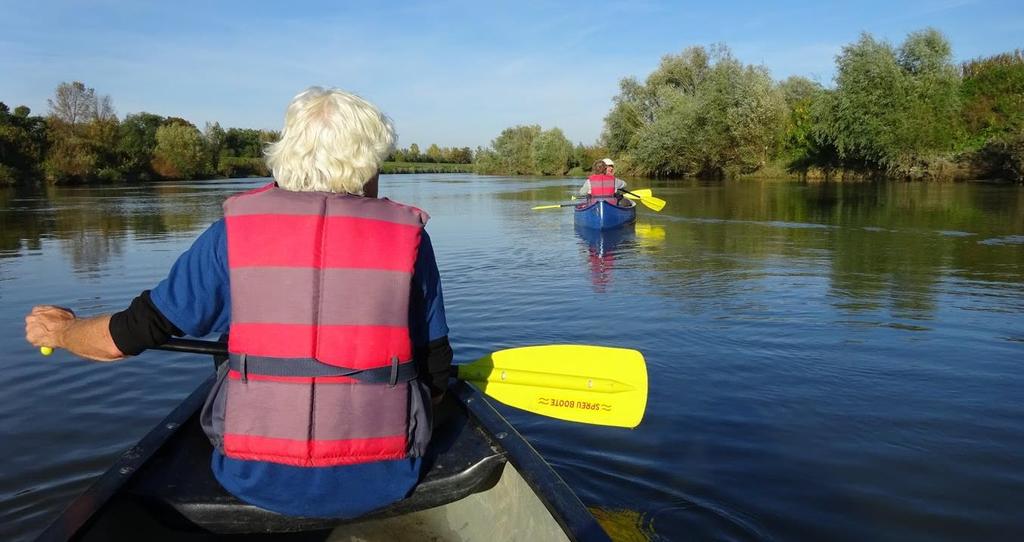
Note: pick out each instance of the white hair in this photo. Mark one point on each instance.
(332, 141)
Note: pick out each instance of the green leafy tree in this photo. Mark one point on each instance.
(701, 112)
(23, 144)
(524, 150)
(551, 152)
(513, 149)
(934, 122)
(241, 151)
(993, 96)
(802, 149)
(434, 153)
(136, 143)
(180, 152)
(178, 121)
(993, 112)
(485, 161)
(102, 136)
(925, 52)
(215, 137)
(893, 109)
(397, 155)
(584, 156)
(633, 108)
(463, 155)
(242, 143)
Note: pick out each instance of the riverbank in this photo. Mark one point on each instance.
(392, 168)
(938, 171)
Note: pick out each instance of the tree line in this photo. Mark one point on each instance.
(531, 150)
(433, 155)
(81, 139)
(905, 111)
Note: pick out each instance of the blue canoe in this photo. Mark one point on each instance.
(602, 215)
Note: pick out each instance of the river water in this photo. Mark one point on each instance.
(826, 361)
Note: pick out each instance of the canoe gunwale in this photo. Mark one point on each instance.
(84, 508)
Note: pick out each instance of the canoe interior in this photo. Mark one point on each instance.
(484, 482)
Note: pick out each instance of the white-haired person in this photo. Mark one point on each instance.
(326, 292)
(602, 183)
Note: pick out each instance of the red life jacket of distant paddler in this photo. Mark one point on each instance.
(320, 363)
(602, 186)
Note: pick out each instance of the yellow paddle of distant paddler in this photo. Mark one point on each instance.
(539, 207)
(639, 193)
(646, 197)
(587, 384)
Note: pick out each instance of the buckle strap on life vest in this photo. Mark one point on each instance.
(392, 374)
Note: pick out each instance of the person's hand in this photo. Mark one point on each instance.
(45, 325)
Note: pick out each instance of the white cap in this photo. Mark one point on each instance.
(608, 161)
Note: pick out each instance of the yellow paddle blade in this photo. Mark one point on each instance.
(653, 203)
(647, 198)
(587, 384)
(639, 193)
(539, 207)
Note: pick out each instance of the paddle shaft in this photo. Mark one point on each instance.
(539, 207)
(467, 372)
(194, 346)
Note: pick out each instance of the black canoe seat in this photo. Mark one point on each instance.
(177, 487)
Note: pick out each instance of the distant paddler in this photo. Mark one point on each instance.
(602, 182)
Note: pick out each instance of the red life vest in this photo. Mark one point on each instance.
(602, 186)
(321, 362)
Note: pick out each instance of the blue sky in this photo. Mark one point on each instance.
(448, 72)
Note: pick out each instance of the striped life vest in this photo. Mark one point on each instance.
(320, 371)
(602, 186)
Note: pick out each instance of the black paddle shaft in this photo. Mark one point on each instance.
(194, 346)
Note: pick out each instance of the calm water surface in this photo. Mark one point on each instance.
(827, 362)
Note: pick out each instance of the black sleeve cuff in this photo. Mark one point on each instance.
(141, 326)
(437, 361)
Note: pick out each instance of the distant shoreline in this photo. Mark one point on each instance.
(393, 168)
